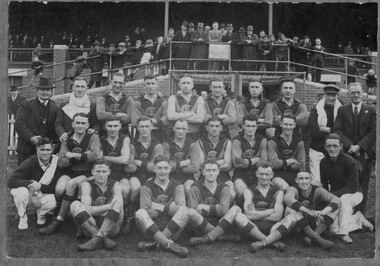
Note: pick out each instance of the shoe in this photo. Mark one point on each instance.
(144, 245)
(41, 220)
(195, 241)
(364, 221)
(230, 238)
(126, 228)
(323, 243)
(306, 241)
(51, 228)
(256, 246)
(23, 223)
(109, 243)
(279, 246)
(96, 242)
(346, 239)
(177, 250)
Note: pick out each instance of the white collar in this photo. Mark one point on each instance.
(358, 105)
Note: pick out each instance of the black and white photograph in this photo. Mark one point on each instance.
(190, 132)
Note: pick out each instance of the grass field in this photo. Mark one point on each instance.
(28, 244)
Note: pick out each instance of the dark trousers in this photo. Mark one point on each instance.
(316, 73)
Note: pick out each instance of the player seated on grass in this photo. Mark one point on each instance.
(99, 213)
(286, 151)
(116, 151)
(217, 147)
(163, 212)
(33, 183)
(340, 176)
(141, 161)
(314, 206)
(76, 156)
(211, 198)
(184, 154)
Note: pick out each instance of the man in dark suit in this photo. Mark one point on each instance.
(14, 100)
(233, 39)
(35, 118)
(356, 124)
(181, 50)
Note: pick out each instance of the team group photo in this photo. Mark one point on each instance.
(191, 130)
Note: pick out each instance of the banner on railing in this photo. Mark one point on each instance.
(219, 51)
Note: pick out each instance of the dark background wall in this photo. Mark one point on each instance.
(332, 22)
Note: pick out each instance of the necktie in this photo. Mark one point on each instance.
(356, 111)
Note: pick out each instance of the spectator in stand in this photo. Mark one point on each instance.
(349, 49)
(249, 49)
(214, 35)
(71, 43)
(14, 100)
(171, 32)
(34, 42)
(11, 41)
(51, 44)
(266, 53)
(143, 34)
(262, 34)
(127, 39)
(191, 27)
(119, 56)
(317, 60)
(38, 51)
(136, 35)
(38, 67)
(272, 38)
(25, 42)
(351, 70)
(147, 52)
(339, 48)
(104, 44)
(79, 64)
(304, 55)
(207, 29)
(96, 65)
(222, 28)
(181, 50)
(294, 52)
(200, 49)
(371, 81)
(233, 39)
(43, 42)
(158, 53)
(282, 52)
(88, 42)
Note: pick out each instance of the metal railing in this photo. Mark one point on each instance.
(25, 55)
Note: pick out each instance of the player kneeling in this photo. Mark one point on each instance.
(314, 206)
(101, 205)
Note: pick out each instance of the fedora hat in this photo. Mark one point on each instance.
(200, 25)
(45, 83)
(249, 27)
(13, 88)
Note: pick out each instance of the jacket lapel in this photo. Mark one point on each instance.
(35, 110)
(350, 113)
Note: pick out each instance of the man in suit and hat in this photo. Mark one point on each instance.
(181, 50)
(356, 125)
(233, 39)
(96, 65)
(35, 118)
(14, 100)
(249, 49)
(200, 48)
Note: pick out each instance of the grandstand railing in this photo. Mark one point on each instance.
(25, 55)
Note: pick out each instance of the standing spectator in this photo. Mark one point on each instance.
(35, 118)
(119, 56)
(214, 35)
(317, 60)
(222, 28)
(266, 53)
(356, 125)
(104, 43)
(43, 42)
(339, 48)
(158, 54)
(181, 50)
(88, 42)
(96, 65)
(38, 67)
(262, 34)
(249, 52)
(304, 56)
(191, 27)
(371, 81)
(282, 52)
(349, 49)
(200, 49)
(294, 52)
(351, 70)
(233, 39)
(320, 124)
(14, 100)
(136, 35)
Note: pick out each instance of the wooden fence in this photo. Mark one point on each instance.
(12, 135)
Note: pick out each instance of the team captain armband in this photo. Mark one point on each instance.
(296, 206)
(333, 205)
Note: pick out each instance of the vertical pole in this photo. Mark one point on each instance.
(270, 18)
(166, 29)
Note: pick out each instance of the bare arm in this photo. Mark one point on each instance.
(199, 112)
(250, 210)
(172, 114)
(227, 158)
(101, 112)
(125, 152)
